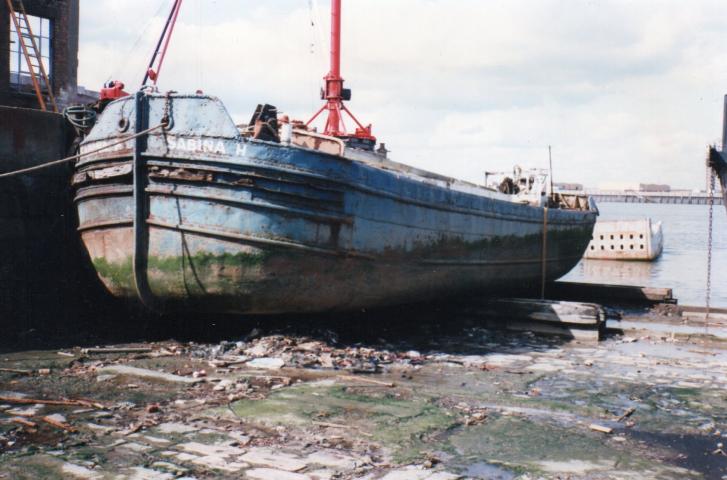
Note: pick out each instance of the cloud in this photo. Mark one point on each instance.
(624, 91)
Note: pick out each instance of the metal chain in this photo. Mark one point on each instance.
(544, 254)
(710, 223)
(167, 104)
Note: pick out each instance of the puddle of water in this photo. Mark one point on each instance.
(664, 328)
(488, 471)
(694, 452)
(537, 446)
(670, 351)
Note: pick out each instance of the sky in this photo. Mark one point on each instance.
(626, 92)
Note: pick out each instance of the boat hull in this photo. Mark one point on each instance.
(199, 218)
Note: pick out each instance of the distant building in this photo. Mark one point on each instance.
(54, 24)
(621, 186)
(568, 186)
(653, 187)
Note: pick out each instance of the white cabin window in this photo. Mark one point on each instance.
(42, 33)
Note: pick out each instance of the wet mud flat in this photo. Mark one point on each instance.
(432, 397)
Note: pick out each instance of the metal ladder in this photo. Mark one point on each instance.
(31, 52)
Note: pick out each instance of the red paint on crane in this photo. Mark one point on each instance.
(177, 7)
(334, 94)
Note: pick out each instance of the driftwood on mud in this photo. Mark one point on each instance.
(58, 424)
(63, 402)
(371, 381)
(111, 350)
(16, 371)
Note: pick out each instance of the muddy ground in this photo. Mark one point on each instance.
(425, 397)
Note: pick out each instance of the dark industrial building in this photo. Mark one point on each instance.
(43, 277)
(55, 27)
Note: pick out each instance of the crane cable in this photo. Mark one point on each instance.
(121, 66)
(163, 43)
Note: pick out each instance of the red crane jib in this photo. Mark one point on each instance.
(334, 94)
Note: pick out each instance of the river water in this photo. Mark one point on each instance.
(682, 266)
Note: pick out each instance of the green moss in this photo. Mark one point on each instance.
(33, 468)
(401, 426)
(683, 393)
(519, 442)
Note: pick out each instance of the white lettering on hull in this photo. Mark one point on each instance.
(191, 145)
(197, 145)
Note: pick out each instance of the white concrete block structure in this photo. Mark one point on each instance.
(626, 240)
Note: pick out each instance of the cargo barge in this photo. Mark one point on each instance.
(195, 213)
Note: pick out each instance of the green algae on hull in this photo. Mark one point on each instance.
(168, 273)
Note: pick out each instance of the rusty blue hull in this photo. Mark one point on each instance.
(199, 218)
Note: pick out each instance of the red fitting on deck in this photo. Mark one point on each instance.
(112, 90)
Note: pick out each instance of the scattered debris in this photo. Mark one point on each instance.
(146, 373)
(475, 417)
(266, 363)
(68, 403)
(629, 411)
(371, 381)
(24, 422)
(59, 421)
(113, 350)
(30, 411)
(445, 402)
(16, 371)
(600, 428)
